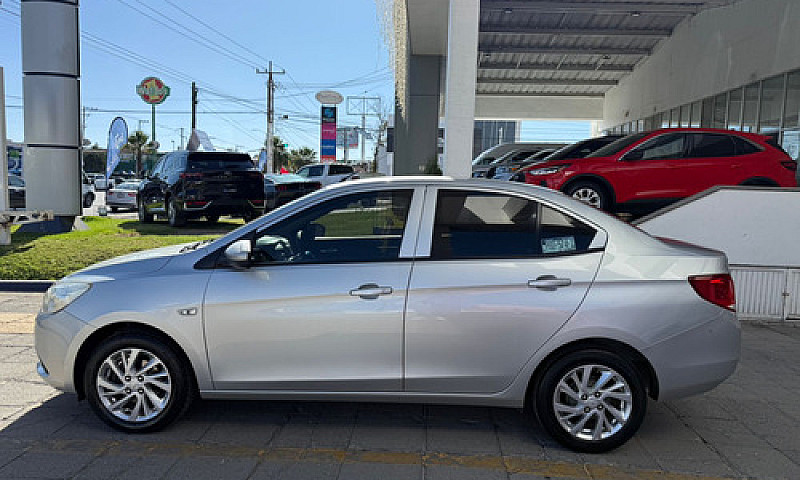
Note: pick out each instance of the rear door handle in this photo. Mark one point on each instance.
(549, 282)
(370, 291)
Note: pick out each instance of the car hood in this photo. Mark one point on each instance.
(145, 261)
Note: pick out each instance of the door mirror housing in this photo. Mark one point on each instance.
(238, 254)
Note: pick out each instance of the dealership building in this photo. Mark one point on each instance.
(626, 65)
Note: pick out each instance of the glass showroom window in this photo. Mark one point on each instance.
(750, 110)
(719, 119)
(772, 94)
(735, 109)
(694, 116)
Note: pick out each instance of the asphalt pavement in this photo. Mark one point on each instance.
(745, 428)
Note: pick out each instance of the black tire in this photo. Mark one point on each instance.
(759, 182)
(212, 218)
(144, 215)
(591, 193)
(132, 395)
(591, 407)
(88, 200)
(114, 209)
(174, 216)
(249, 216)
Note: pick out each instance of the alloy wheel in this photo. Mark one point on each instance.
(134, 385)
(592, 402)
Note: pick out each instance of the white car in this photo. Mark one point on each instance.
(123, 196)
(328, 173)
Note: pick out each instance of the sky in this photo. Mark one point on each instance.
(320, 44)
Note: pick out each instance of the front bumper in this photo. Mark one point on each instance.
(697, 360)
(57, 338)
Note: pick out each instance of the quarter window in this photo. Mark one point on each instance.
(363, 227)
(472, 225)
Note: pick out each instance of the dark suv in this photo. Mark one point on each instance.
(186, 185)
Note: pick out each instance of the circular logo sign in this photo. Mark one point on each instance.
(152, 90)
(329, 97)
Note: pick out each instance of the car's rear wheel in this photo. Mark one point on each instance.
(212, 218)
(590, 193)
(137, 383)
(249, 216)
(144, 215)
(174, 217)
(115, 209)
(591, 400)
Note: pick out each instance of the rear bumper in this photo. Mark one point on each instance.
(697, 360)
(223, 206)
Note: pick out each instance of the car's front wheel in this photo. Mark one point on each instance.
(88, 200)
(591, 400)
(137, 383)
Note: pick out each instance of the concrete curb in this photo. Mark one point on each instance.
(29, 286)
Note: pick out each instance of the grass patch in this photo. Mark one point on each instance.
(36, 256)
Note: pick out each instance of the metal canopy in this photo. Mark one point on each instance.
(571, 47)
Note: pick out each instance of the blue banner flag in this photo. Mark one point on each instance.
(117, 137)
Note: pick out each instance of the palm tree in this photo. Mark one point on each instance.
(138, 144)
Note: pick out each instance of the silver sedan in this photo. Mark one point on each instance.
(427, 290)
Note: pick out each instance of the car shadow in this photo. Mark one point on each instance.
(192, 227)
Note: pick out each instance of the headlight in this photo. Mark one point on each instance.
(547, 170)
(62, 294)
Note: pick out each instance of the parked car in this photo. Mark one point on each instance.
(87, 191)
(644, 171)
(123, 196)
(100, 181)
(514, 157)
(16, 191)
(481, 163)
(505, 172)
(280, 189)
(185, 185)
(579, 149)
(408, 289)
(328, 173)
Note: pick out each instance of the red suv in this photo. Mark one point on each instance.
(647, 170)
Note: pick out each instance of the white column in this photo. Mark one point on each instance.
(459, 103)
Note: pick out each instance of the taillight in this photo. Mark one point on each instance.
(131, 194)
(190, 176)
(789, 165)
(717, 289)
(257, 203)
(196, 203)
(282, 188)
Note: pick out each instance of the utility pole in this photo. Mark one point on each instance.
(361, 108)
(270, 113)
(181, 145)
(194, 109)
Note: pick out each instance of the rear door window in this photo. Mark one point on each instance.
(340, 169)
(471, 225)
(704, 145)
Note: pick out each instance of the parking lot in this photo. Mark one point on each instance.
(745, 428)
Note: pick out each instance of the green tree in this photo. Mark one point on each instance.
(280, 156)
(137, 143)
(302, 156)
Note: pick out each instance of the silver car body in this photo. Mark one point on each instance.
(456, 331)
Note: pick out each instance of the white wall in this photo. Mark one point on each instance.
(714, 51)
(752, 225)
(537, 108)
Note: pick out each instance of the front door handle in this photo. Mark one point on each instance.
(549, 282)
(370, 291)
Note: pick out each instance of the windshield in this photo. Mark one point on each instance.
(619, 145)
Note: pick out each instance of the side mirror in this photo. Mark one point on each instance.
(636, 154)
(238, 253)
